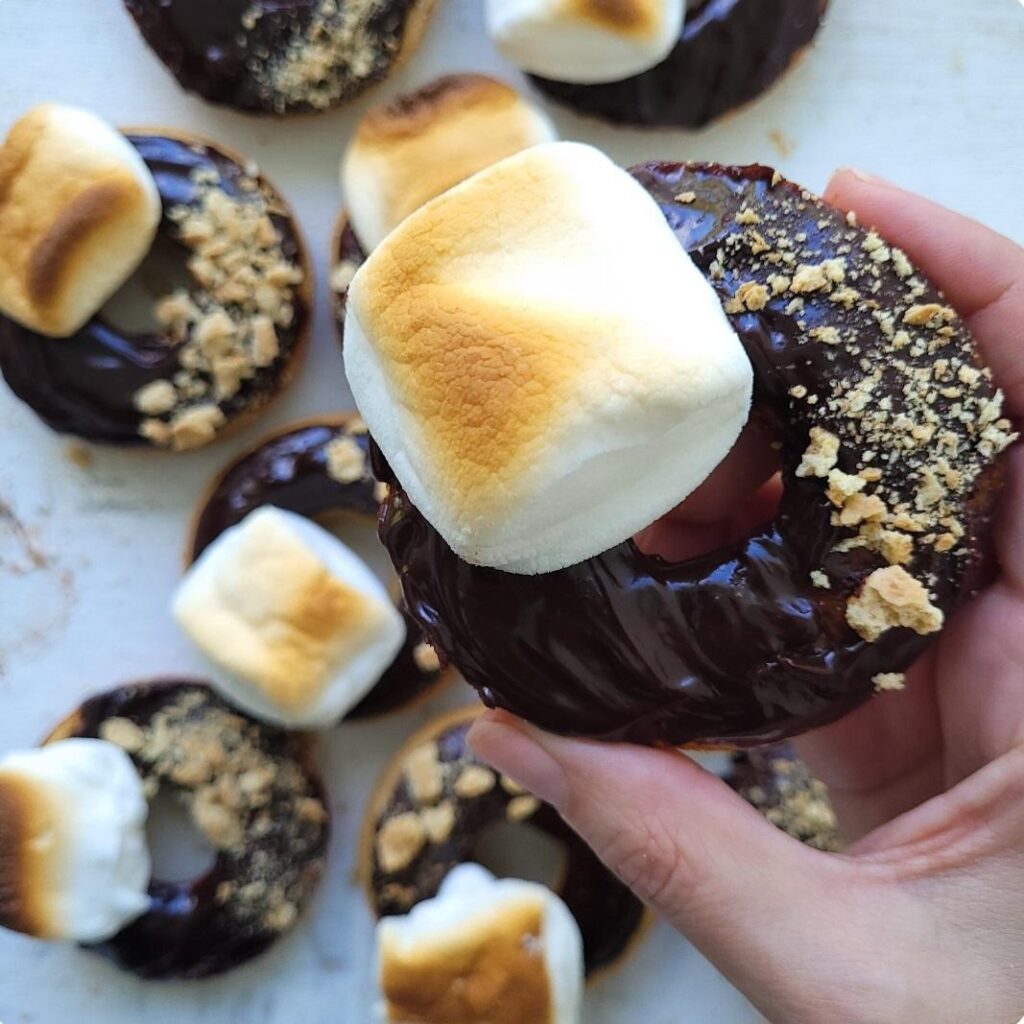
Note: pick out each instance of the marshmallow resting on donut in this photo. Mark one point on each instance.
(483, 951)
(586, 41)
(544, 367)
(74, 864)
(297, 626)
(78, 213)
(409, 151)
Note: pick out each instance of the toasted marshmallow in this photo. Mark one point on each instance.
(586, 41)
(419, 146)
(79, 210)
(542, 364)
(297, 627)
(483, 951)
(74, 863)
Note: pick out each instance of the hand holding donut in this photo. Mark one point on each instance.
(925, 909)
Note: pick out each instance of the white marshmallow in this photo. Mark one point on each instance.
(74, 863)
(79, 210)
(297, 627)
(541, 362)
(586, 41)
(518, 938)
(417, 147)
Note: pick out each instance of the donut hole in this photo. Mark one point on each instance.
(680, 536)
(521, 851)
(178, 849)
(132, 309)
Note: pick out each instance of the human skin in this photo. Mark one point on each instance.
(922, 919)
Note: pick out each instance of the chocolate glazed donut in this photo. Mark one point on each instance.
(428, 813)
(86, 385)
(730, 52)
(252, 789)
(279, 56)
(777, 634)
(293, 471)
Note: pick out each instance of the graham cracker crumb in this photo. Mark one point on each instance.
(887, 682)
(474, 781)
(439, 822)
(346, 462)
(424, 775)
(400, 841)
(891, 598)
(521, 808)
(821, 455)
(426, 658)
(820, 580)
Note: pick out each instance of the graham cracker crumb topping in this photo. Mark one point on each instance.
(227, 326)
(346, 462)
(891, 598)
(255, 807)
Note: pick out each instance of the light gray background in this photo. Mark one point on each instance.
(927, 92)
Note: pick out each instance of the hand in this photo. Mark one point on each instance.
(923, 918)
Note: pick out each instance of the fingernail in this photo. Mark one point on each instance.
(517, 750)
(865, 176)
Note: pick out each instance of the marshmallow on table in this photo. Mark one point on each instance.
(74, 863)
(483, 951)
(542, 364)
(419, 146)
(79, 211)
(297, 627)
(586, 41)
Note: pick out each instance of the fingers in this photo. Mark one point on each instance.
(980, 271)
(748, 896)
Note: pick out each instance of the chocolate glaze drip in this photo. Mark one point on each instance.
(222, 53)
(608, 914)
(85, 384)
(729, 53)
(188, 932)
(290, 472)
(737, 646)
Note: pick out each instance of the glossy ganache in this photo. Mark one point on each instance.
(191, 929)
(86, 384)
(610, 917)
(730, 52)
(290, 471)
(738, 646)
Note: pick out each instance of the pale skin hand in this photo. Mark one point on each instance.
(923, 919)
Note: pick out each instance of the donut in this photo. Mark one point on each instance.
(427, 813)
(251, 790)
(268, 57)
(319, 468)
(729, 53)
(228, 344)
(889, 430)
(775, 781)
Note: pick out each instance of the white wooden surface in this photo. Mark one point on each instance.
(927, 92)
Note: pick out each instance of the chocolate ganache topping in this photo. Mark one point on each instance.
(277, 56)
(730, 52)
(889, 429)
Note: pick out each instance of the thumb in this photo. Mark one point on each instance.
(757, 903)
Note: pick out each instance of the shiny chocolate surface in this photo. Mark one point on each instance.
(608, 914)
(729, 53)
(738, 646)
(231, 51)
(85, 385)
(290, 471)
(191, 930)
